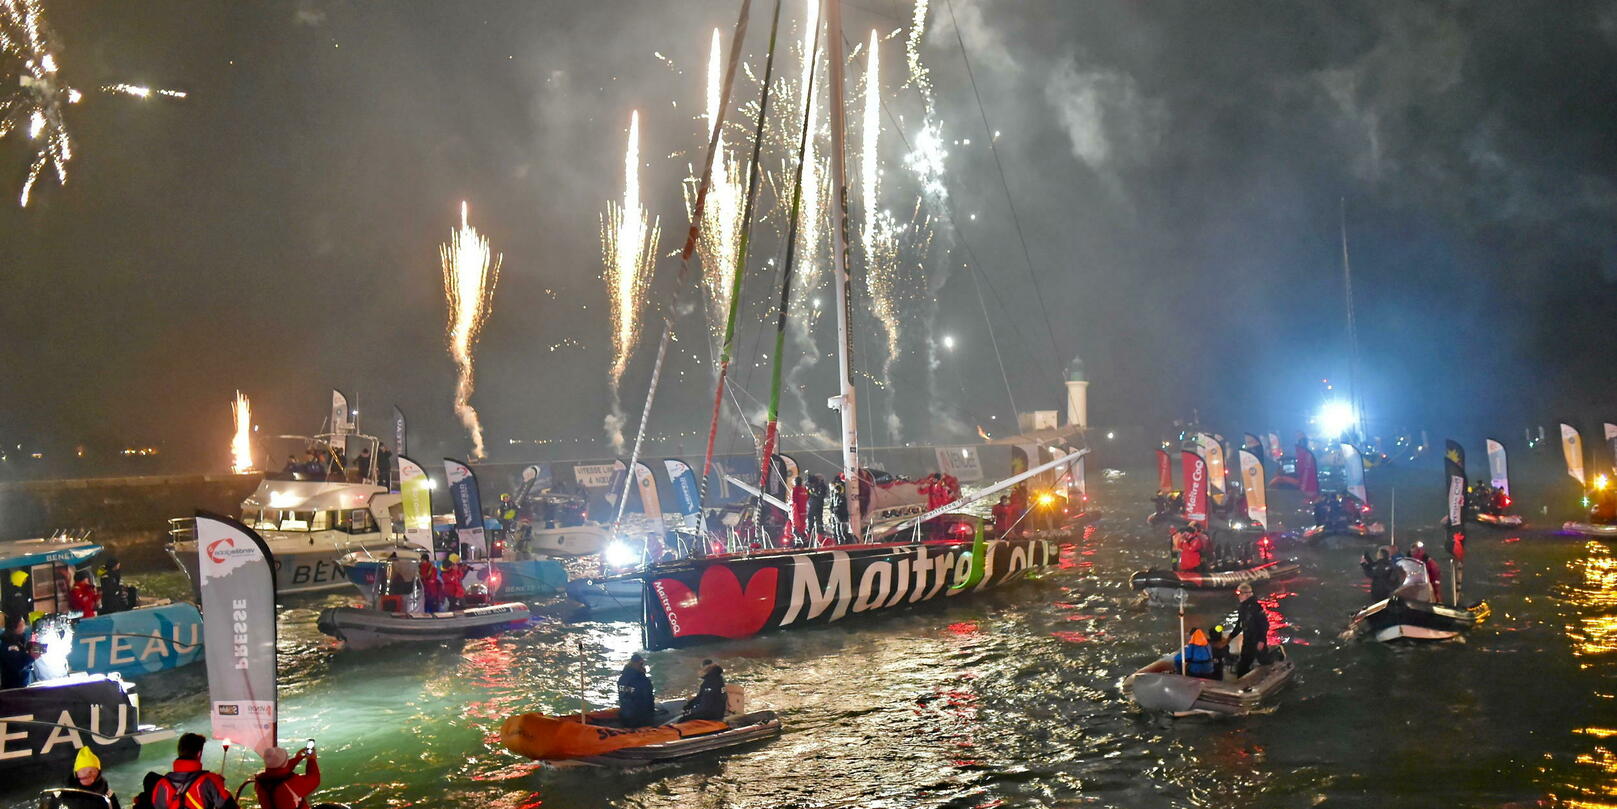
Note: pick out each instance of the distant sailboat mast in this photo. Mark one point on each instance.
(1352, 326)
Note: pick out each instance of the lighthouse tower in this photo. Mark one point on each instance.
(1077, 394)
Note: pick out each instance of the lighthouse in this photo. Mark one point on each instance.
(1077, 394)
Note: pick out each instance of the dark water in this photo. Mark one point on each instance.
(1012, 699)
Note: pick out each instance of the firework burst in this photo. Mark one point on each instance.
(471, 269)
(722, 213)
(40, 94)
(878, 236)
(628, 246)
(241, 443)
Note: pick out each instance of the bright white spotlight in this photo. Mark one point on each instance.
(1336, 417)
(618, 554)
(948, 341)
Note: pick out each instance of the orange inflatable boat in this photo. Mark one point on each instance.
(600, 740)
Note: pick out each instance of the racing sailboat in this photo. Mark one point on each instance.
(733, 595)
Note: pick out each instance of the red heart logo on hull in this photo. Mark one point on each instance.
(719, 607)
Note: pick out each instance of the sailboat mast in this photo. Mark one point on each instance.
(845, 399)
(772, 425)
(1353, 328)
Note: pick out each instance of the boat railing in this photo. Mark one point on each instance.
(62, 797)
(182, 529)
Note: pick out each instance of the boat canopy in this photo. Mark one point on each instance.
(26, 553)
(310, 495)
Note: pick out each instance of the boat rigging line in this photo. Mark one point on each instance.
(993, 148)
(691, 237)
(728, 346)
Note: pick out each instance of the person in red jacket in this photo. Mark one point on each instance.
(454, 582)
(951, 484)
(1002, 516)
(83, 597)
(937, 493)
(432, 587)
(799, 527)
(1191, 547)
(1018, 504)
(188, 786)
(1434, 573)
(279, 787)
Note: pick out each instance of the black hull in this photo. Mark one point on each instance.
(1216, 580)
(698, 601)
(59, 719)
(1397, 619)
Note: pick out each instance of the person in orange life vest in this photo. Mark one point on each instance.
(454, 582)
(432, 587)
(799, 508)
(83, 596)
(279, 787)
(1434, 573)
(188, 785)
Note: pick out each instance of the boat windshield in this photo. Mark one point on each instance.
(352, 521)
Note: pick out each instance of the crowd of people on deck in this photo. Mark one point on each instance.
(1483, 497)
(1338, 510)
(332, 463)
(190, 785)
(20, 651)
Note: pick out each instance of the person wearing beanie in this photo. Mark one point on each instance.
(86, 777)
(279, 786)
(710, 701)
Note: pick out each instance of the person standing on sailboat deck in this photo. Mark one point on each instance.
(637, 705)
(839, 510)
(816, 509)
(799, 526)
(1252, 624)
(362, 464)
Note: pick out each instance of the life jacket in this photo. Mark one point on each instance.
(183, 790)
(1197, 659)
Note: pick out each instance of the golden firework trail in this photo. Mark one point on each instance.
(927, 153)
(39, 93)
(471, 270)
(722, 213)
(878, 236)
(241, 443)
(628, 245)
(816, 201)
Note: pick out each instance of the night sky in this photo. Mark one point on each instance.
(1178, 168)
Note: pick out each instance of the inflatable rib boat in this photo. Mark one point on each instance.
(1159, 688)
(1158, 579)
(1590, 529)
(1360, 530)
(363, 628)
(1395, 619)
(600, 740)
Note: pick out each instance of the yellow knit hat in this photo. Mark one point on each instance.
(18, 577)
(86, 758)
